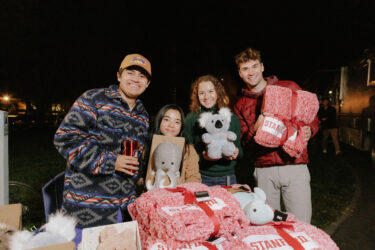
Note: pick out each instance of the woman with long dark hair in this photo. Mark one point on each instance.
(169, 121)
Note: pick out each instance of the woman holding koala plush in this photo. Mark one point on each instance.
(208, 96)
(169, 121)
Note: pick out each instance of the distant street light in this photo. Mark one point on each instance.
(330, 92)
(6, 98)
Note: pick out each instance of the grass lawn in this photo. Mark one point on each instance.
(34, 160)
(332, 187)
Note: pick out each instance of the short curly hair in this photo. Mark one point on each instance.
(222, 97)
(246, 55)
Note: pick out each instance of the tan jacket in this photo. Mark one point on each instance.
(190, 167)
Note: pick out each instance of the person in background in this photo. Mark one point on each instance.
(275, 171)
(169, 121)
(208, 95)
(328, 122)
(99, 178)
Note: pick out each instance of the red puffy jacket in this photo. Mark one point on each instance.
(248, 108)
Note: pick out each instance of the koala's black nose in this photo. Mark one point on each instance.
(218, 124)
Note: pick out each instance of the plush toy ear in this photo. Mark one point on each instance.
(226, 113)
(203, 118)
(260, 194)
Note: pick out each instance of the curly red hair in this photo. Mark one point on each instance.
(222, 97)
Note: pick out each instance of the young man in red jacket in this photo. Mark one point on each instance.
(275, 171)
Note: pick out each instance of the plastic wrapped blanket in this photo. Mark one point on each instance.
(272, 236)
(277, 105)
(286, 112)
(306, 109)
(165, 215)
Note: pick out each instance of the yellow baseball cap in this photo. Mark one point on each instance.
(136, 60)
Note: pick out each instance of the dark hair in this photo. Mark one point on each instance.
(155, 130)
(161, 114)
(140, 69)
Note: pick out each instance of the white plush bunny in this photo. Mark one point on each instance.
(255, 207)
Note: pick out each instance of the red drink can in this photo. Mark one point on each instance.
(131, 149)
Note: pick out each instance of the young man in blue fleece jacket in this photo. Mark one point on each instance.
(99, 179)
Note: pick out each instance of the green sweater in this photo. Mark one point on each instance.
(193, 134)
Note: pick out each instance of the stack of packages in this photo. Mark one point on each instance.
(168, 220)
(287, 111)
(167, 217)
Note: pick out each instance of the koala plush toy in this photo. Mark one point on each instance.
(167, 159)
(218, 139)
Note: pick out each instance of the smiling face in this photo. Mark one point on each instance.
(207, 94)
(132, 84)
(171, 123)
(251, 73)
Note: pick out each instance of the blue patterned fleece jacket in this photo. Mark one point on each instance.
(90, 137)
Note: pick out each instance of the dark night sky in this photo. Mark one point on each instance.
(52, 51)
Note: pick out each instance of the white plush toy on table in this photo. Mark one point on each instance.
(255, 207)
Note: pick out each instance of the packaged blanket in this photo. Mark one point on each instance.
(277, 105)
(296, 144)
(286, 112)
(291, 234)
(305, 111)
(277, 101)
(307, 107)
(270, 132)
(165, 215)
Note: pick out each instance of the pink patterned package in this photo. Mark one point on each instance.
(268, 237)
(277, 100)
(296, 144)
(189, 222)
(276, 105)
(270, 132)
(307, 106)
(164, 215)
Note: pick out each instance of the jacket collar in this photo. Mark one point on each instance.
(271, 80)
(212, 109)
(114, 93)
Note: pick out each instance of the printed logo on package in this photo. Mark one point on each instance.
(214, 204)
(274, 241)
(139, 60)
(273, 126)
